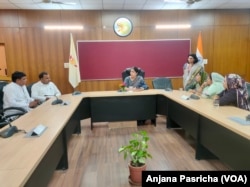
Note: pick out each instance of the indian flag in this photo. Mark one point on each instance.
(199, 50)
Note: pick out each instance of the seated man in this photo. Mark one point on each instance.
(16, 94)
(44, 88)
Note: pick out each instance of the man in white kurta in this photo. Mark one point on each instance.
(44, 88)
(16, 94)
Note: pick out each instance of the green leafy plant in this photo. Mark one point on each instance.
(137, 149)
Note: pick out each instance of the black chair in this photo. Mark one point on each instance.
(7, 119)
(29, 88)
(126, 73)
(162, 83)
(248, 89)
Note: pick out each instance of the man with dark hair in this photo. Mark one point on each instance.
(44, 88)
(16, 94)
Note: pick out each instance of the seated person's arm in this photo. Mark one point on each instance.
(126, 82)
(56, 90)
(35, 95)
(230, 98)
(142, 85)
(11, 99)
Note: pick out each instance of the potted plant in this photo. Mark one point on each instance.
(137, 150)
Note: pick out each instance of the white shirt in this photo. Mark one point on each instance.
(41, 91)
(16, 96)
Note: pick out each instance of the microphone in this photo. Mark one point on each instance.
(57, 101)
(9, 131)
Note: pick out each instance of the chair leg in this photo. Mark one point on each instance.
(140, 122)
(153, 121)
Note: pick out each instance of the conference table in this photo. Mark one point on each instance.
(31, 161)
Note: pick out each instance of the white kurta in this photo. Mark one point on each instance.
(41, 91)
(16, 96)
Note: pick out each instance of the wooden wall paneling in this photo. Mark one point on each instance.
(39, 18)
(208, 46)
(87, 18)
(198, 18)
(13, 49)
(248, 57)
(9, 18)
(3, 65)
(232, 17)
(230, 49)
(152, 18)
(32, 52)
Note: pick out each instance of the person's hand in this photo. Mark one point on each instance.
(138, 89)
(34, 103)
(205, 84)
(192, 91)
(215, 97)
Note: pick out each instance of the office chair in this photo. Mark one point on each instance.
(7, 119)
(248, 89)
(126, 73)
(29, 88)
(162, 83)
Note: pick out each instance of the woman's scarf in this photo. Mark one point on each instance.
(194, 71)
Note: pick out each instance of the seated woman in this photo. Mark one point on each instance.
(134, 82)
(196, 84)
(235, 92)
(212, 86)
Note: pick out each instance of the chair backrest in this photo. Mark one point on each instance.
(2, 84)
(162, 83)
(126, 73)
(29, 88)
(248, 89)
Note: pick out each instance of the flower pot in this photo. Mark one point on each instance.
(136, 174)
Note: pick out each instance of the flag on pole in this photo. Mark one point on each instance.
(199, 50)
(74, 71)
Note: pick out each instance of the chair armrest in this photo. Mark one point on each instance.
(20, 111)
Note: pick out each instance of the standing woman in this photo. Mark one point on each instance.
(190, 70)
(235, 92)
(135, 82)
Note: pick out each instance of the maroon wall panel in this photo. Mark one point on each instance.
(107, 59)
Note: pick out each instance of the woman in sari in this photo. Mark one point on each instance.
(190, 70)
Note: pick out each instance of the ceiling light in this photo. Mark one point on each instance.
(65, 27)
(182, 26)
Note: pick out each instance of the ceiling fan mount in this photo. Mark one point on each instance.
(190, 2)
